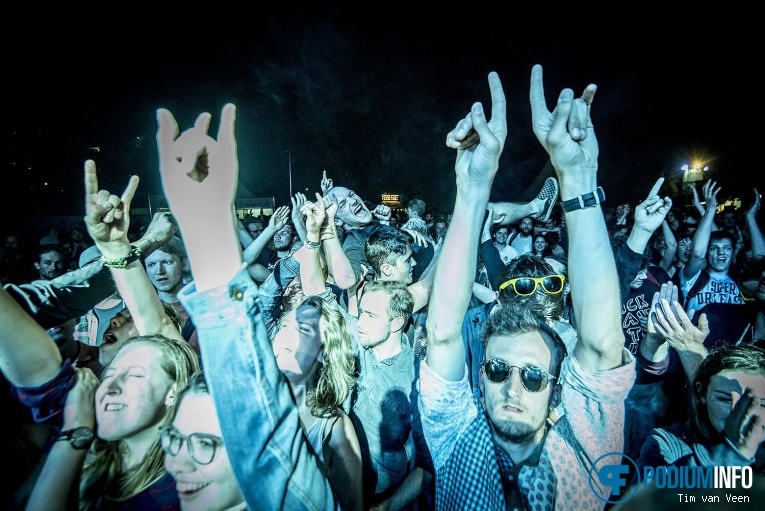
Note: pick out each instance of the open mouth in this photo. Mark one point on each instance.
(114, 407)
(109, 338)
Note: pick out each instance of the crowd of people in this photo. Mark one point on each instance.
(337, 355)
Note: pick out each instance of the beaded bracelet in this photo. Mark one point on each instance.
(121, 262)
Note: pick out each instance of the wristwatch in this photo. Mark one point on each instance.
(80, 438)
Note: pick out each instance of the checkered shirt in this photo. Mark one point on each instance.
(468, 475)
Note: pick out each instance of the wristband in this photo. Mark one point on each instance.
(312, 245)
(586, 200)
(121, 262)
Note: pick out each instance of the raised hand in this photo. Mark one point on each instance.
(711, 190)
(326, 183)
(697, 203)
(745, 427)
(78, 407)
(161, 228)
(297, 204)
(382, 213)
(315, 216)
(194, 193)
(566, 134)
(650, 213)
(279, 218)
(329, 229)
(751, 213)
(418, 238)
(479, 142)
(107, 216)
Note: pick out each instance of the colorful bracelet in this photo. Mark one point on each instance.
(121, 262)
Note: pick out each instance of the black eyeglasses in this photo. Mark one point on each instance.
(201, 445)
(533, 379)
(525, 286)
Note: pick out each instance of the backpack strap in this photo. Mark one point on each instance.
(701, 281)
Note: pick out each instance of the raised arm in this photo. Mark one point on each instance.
(258, 416)
(700, 243)
(107, 220)
(208, 227)
(309, 255)
(275, 223)
(756, 238)
(479, 143)
(297, 215)
(568, 136)
(671, 243)
(649, 215)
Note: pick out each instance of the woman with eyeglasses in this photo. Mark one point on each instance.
(196, 456)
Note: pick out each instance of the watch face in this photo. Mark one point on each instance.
(82, 437)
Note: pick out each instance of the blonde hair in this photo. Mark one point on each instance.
(336, 376)
(104, 476)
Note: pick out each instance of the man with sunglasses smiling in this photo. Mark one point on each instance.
(501, 451)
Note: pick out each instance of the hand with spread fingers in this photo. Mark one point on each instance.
(745, 426)
(107, 215)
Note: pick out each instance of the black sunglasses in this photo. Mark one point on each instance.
(525, 286)
(533, 379)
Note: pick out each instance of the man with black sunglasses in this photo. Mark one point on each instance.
(501, 452)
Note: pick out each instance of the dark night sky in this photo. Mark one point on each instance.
(368, 98)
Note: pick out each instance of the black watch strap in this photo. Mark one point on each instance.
(586, 200)
(80, 438)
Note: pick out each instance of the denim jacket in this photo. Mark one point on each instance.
(273, 462)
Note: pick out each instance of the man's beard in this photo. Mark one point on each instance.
(516, 433)
(368, 345)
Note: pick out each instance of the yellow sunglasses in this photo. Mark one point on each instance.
(525, 286)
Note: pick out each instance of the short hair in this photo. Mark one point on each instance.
(174, 246)
(721, 234)
(743, 357)
(549, 307)
(385, 245)
(47, 248)
(401, 300)
(520, 320)
(417, 206)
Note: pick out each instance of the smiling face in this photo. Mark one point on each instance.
(210, 487)
(298, 343)
(720, 255)
(527, 225)
(540, 244)
(132, 397)
(352, 213)
(516, 414)
(729, 384)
